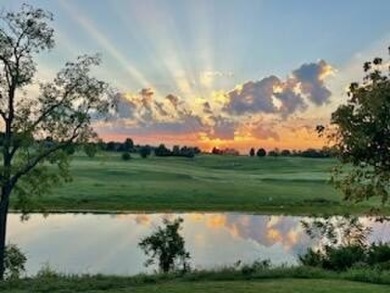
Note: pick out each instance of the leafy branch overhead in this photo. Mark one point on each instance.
(362, 136)
(38, 129)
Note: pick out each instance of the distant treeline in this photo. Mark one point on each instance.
(325, 152)
(144, 151)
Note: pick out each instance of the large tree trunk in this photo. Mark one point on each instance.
(3, 227)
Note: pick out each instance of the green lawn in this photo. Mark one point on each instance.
(206, 183)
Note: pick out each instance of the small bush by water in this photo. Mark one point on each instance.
(345, 257)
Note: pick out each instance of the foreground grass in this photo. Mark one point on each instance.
(269, 286)
(300, 279)
(206, 183)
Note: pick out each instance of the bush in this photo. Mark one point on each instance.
(349, 256)
(14, 262)
(343, 258)
(255, 267)
(312, 258)
(379, 254)
(126, 156)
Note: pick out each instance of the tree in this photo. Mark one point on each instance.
(176, 150)
(285, 153)
(362, 136)
(162, 151)
(90, 149)
(261, 152)
(128, 145)
(14, 262)
(167, 246)
(145, 151)
(252, 152)
(62, 111)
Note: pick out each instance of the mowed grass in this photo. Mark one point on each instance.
(284, 185)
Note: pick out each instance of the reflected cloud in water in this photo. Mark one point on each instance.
(87, 243)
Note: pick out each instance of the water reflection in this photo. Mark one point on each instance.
(86, 243)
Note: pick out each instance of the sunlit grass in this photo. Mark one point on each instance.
(205, 183)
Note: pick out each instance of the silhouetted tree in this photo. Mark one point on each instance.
(261, 152)
(285, 153)
(176, 150)
(111, 146)
(128, 145)
(162, 151)
(252, 152)
(273, 153)
(145, 151)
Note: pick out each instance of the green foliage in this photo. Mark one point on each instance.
(166, 246)
(273, 280)
(14, 262)
(47, 272)
(145, 151)
(126, 156)
(362, 136)
(90, 149)
(342, 244)
(379, 254)
(42, 130)
(255, 267)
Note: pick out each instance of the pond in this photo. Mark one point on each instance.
(107, 244)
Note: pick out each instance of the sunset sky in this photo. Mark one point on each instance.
(225, 73)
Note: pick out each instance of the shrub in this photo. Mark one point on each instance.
(255, 267)
(14, 262)
(379, 254)
(343, 258)
(312, 258)
(126, 156)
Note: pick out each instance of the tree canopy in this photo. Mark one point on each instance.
(38, 129)
(362, 135)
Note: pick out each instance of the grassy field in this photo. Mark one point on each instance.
(289, 185)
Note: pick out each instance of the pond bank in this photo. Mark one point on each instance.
(302, 279)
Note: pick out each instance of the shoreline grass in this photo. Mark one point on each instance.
(286, 278)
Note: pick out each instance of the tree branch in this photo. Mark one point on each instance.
(32, 163)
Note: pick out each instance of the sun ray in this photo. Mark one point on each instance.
(160, 33)
(91, 28)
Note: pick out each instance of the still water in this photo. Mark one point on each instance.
(107, 244)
